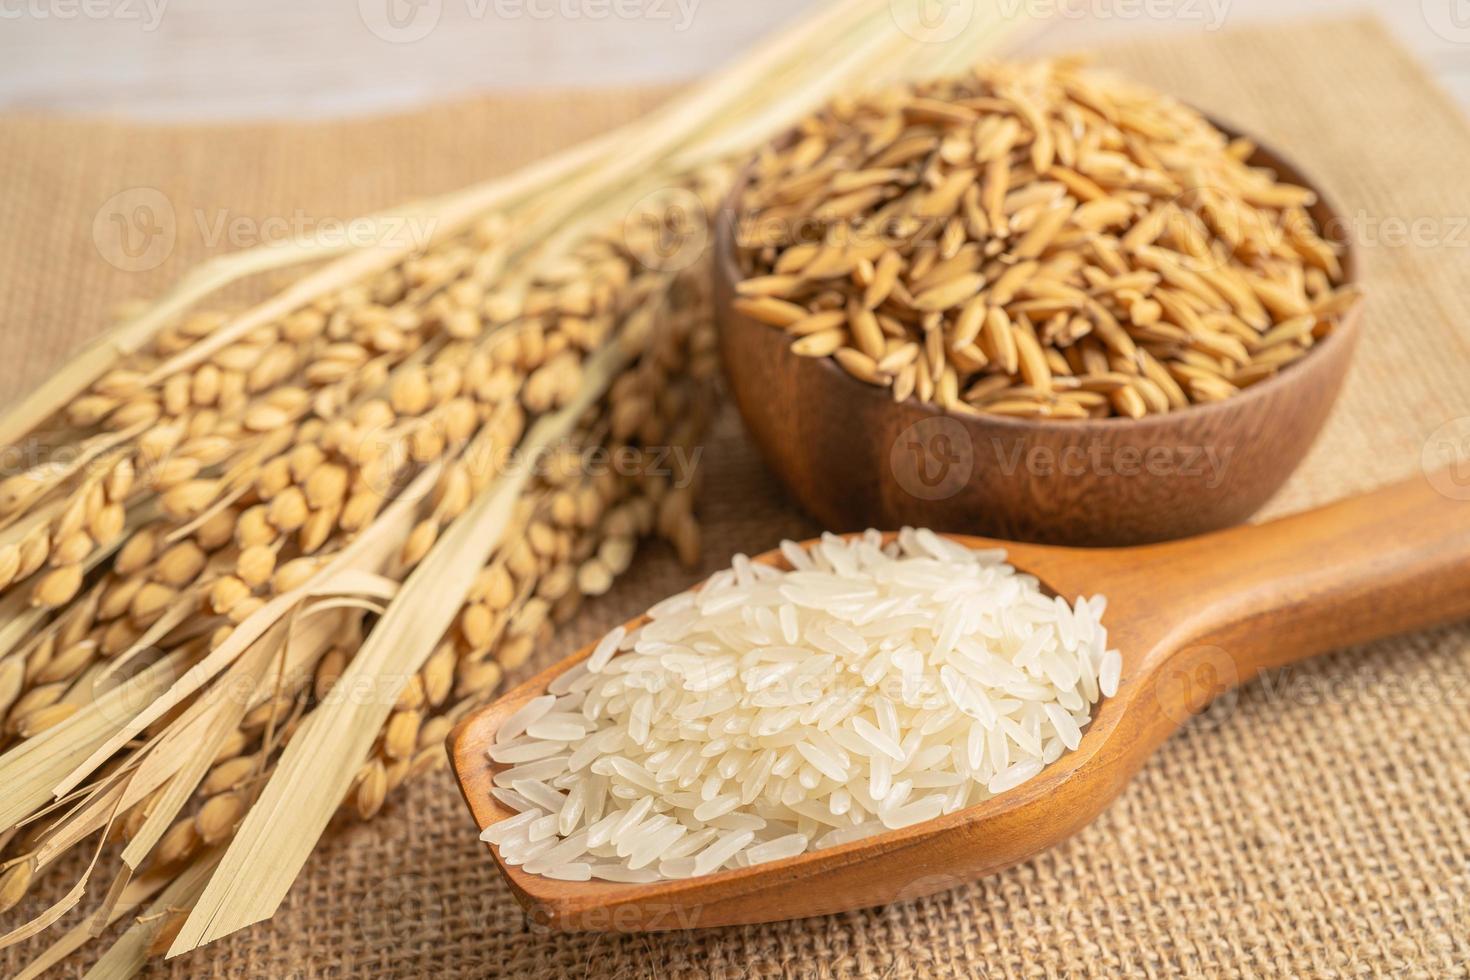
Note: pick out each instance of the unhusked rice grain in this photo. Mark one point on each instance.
(1036, 240)
(869, 687)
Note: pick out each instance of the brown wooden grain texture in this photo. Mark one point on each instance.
(1192, 618)
(854, 459)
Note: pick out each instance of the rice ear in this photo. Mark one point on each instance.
(128, 955)
(31, 770)
(106, 351)
(137, 892)
(317, 767)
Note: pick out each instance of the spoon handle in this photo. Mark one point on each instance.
(1390, 561)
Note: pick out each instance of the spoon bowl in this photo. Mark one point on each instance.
(1192, 619)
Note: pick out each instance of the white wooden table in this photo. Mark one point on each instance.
(211, 59)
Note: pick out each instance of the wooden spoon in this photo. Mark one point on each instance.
(1192, 618)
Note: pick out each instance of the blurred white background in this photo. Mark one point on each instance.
(196, 59)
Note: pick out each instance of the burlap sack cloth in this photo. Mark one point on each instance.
(1318, 823)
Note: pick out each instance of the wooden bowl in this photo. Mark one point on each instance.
(853, 458)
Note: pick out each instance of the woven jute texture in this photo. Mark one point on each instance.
(1317, 823)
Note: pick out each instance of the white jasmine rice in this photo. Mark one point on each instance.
(774, 712)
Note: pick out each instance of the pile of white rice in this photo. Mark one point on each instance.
(869, 688)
